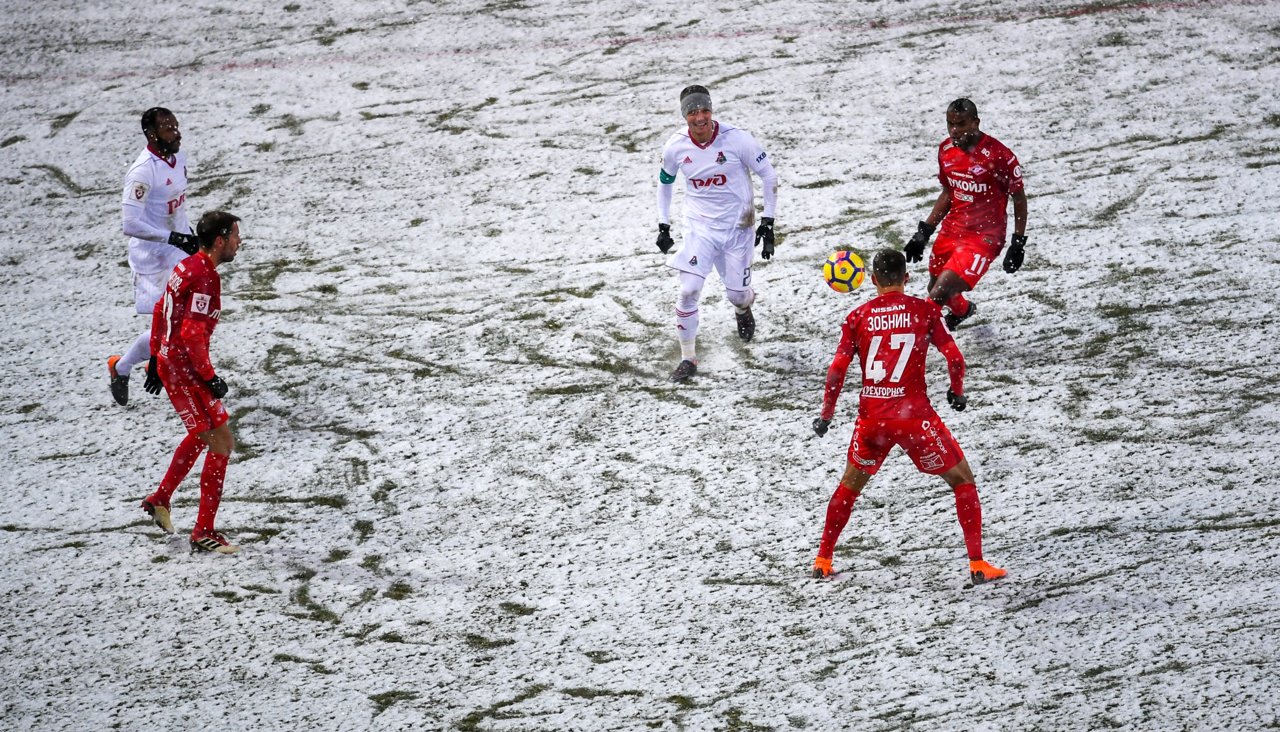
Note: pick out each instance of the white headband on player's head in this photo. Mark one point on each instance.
(693, 102)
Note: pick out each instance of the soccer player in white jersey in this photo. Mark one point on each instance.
(154, 211)
(716, 160)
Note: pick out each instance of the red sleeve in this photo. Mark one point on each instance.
(195, 337)
(948, 348)
(836, 372)
(157, 326)
(1014, 170)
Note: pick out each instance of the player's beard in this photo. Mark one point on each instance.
(168, 149)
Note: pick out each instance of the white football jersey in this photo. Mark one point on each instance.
(154, 204)
(718, 190)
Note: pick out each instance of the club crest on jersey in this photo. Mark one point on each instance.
(693, 261)
(139, 191)
(200, 303)
(720, 157)
(977, 170)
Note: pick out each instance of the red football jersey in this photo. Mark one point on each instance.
(980, 182)
(186, 315)
(890, 334)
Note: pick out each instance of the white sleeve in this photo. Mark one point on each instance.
(768, 176)
(666, 185)
(133, 209)
(666, 191)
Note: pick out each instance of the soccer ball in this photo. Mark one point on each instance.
(844, 271)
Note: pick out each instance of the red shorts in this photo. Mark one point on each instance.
(926, 440)
(199, 409)
(969, 256)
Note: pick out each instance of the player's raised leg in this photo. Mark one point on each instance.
(184, 458)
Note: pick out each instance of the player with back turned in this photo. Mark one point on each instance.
(154, 216)
(182, 325)
(979, 176)
(890, 336)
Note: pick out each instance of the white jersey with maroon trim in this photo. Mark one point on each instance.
(718, 190)
(154, 204)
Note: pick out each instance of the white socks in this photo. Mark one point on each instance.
(139, 352)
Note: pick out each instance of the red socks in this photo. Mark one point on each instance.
(215, 471)
(183, 458)
(969, 511)
(958, 304)
(838, 510)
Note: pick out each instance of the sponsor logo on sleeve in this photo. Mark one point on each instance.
(200, 303)
(761, 156)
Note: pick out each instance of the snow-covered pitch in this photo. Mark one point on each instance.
(467, 495)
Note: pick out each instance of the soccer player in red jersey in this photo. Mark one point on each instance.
(181, 327)
(979, 176)
(890, 335)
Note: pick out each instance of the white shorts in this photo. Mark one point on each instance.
(729, 251)
(152, 263)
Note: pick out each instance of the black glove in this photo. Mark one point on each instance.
(217, 386)
(764, 233)
(1014, 254)
(665, 242)
(957, 401)
(152, 385)
(914, 250)
(189, 243)
(820, 426)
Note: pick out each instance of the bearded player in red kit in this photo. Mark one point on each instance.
(979, 177)
(890, 335)
(181, 327)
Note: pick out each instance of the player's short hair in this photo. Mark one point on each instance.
(693, 98)
(693, 89)
(149, 117)
(889, 267)
(214, 224)
(965, 106)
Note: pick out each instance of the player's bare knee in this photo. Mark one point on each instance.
(741, 299)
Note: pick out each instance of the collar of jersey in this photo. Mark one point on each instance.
(172, 162)
(715, 132)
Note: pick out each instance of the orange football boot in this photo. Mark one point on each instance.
(822, 568)
(982, 571)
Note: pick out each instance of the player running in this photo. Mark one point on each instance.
(154, 212)
(181, 327)
(890, 335)
(717, 161)
(979, 175)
